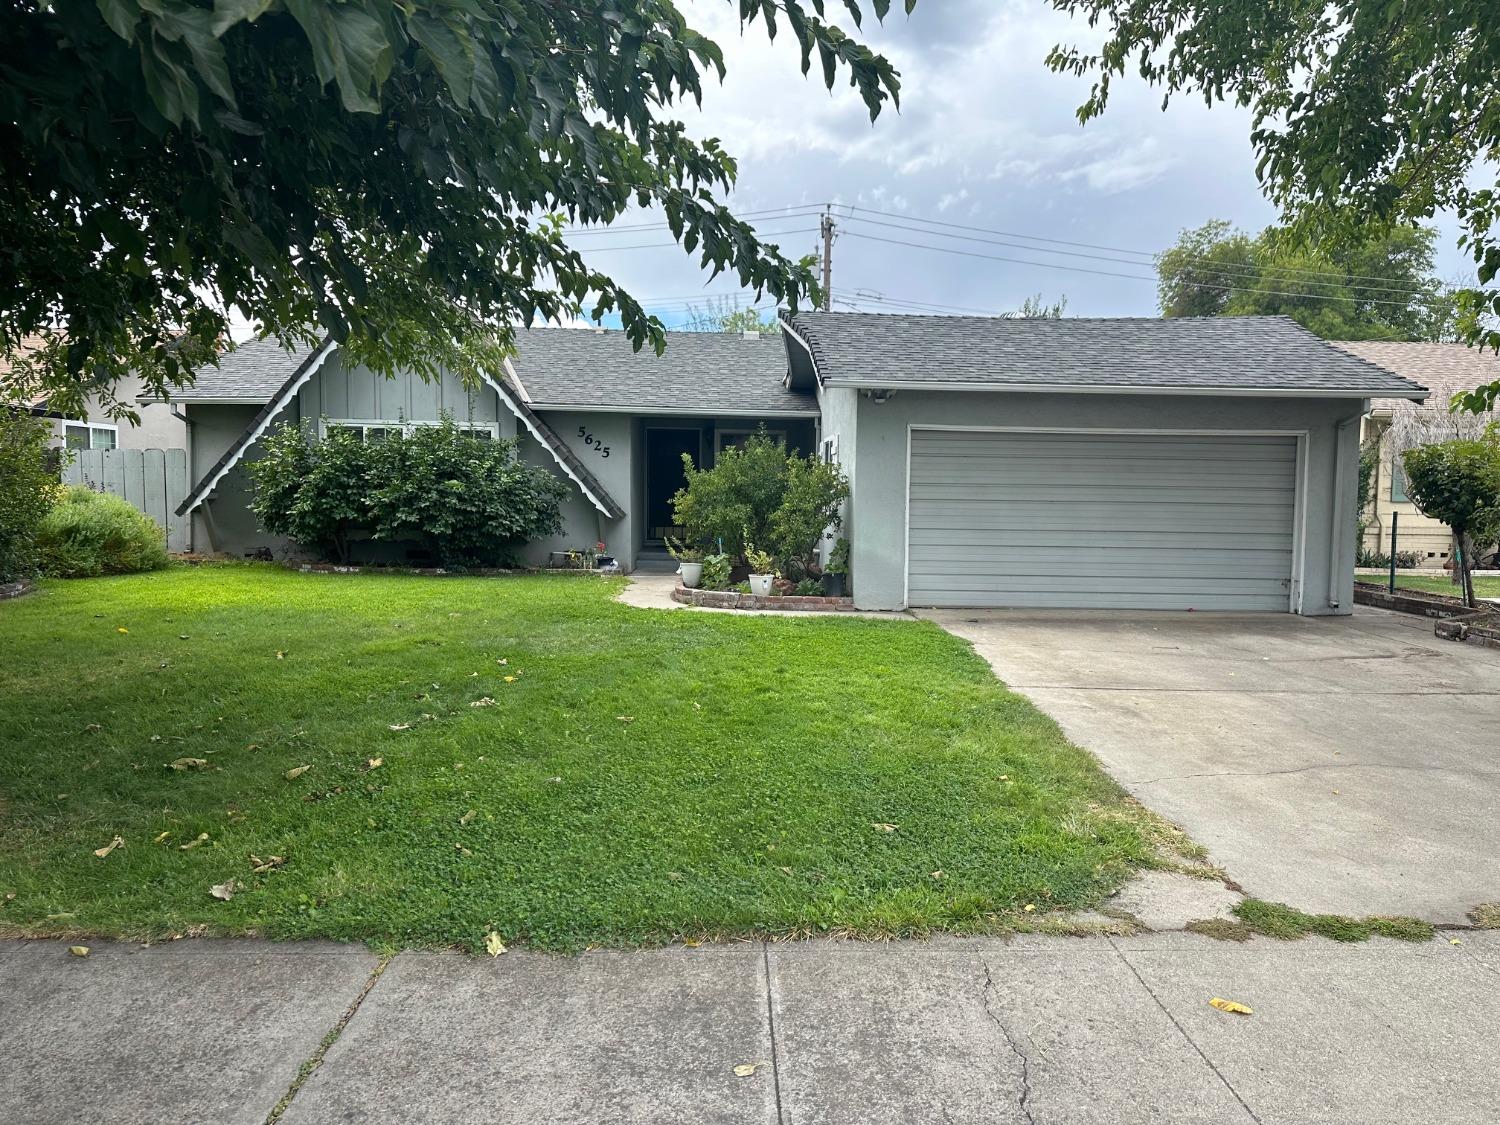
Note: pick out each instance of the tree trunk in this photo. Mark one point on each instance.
(1464, 572)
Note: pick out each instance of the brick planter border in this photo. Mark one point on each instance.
(1405, 602)
(14, 589)
(435, 571)
(730, 599)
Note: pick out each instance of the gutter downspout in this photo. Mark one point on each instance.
(187, 437)
(1340, 506)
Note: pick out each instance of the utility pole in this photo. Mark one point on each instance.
(827, 228)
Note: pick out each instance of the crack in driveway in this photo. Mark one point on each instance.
(988, 992)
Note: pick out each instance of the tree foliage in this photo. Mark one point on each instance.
(1364, 111)
(1379, 286)
(471, 501)
(723, 314)
(28, 485)
(396, 175)
(1458, 483)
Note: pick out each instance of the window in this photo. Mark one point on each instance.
(379, 431)
(1398, 481)
(89, 435)
(831, 450)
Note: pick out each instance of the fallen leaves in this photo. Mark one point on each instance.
(468, 818)
(224, 891)
(485, 701)
(260, 866)
(160, 836)
(78, 950)
(1231, 1006)
(117, 842)
(202, 838)
(296, 771)
(493, 945)
(374, 763)
(181, 764)
(882, 827)
(400, 726)
(625, 718)
(121, 629)
(745, 1070)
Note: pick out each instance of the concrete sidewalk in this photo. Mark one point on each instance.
(1031, 1030)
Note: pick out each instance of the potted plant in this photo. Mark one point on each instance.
(716, 569)
(689, 562)
(762, 571)
(836, 573)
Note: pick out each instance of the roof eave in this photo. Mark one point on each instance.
(1415, 394)
(693, 411)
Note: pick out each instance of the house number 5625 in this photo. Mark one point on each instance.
(592, 442)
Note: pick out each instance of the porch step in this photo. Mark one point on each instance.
(655, 562)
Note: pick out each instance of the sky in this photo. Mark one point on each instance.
(986, 137)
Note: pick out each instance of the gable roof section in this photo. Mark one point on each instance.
(1250, 355)
(699, 373)
(252, 372)
(1445, 369)
(566, 459)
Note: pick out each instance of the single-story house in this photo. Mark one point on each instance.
(1094, 463)
(1445, 369)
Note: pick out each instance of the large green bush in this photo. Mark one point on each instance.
(88, 533)
(1458, 483)
(470, 500)
(763, 494)
(28, 485)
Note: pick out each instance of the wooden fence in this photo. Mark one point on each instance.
(154, 481)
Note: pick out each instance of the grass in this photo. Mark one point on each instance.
(1484, 586)
(1279, 921)
(646, 776)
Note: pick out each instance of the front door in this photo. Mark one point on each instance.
(664, 475)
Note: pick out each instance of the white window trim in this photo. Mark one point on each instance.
(107, 427)
(406, 427)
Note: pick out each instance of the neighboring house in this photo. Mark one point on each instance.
(1445, 369)
(1166, 464)
(157, 426)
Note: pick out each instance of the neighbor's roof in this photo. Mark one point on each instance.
(699, 373)
(1261, 355)
(251, 373)
(1445, 369)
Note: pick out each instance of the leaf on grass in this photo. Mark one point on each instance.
(181, 764)
(93, 728)
(625, 718)
(938, 874)
(78, 950)
(121, 629)
(493, 945)
(508, 679)
(745, 1070)
(160, 836)
(202, 838)
(182, 636)
(224, 891)
(296, 771)
(400, 726)
(280, 655)
(484, 702)
(502, 661)
(374, 763)
(468, 817)
(879, 827)
(1029, 908)
(260, 866)
(117, 842)
(1231, 1006)
(461, 850)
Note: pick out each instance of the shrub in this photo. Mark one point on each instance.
(762, 493)
(89, 533)
(716, 569)
(28, 487)
(470, 500)
(1458, 483)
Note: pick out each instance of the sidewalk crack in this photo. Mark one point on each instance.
(765, 953)
(315, 1060)
(1183, 1032)
(1015, 1048)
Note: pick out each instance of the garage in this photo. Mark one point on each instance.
(1101, 520)
(1178, 464)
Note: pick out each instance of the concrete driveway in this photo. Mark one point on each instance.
(1341, 765)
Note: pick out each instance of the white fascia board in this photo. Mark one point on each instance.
(510, 369)
(1116, 389)
(650, 411)
(546, 442)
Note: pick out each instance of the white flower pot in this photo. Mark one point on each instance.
(692, 574)
(760, 584)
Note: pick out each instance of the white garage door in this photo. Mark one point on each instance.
(1117, 521)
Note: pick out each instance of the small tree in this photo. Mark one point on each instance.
(810, 507)
(315, 492)
(1458, 482)
(28, 486)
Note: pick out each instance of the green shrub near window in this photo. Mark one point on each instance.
(87, 534)
(471, 501)
(28, 485)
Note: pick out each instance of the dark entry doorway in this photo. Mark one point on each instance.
(664, 476)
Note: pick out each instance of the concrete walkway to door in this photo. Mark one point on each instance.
(1347, 765)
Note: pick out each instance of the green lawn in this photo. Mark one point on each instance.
(1484, 587)
(646, 776)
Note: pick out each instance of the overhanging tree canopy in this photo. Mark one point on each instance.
(397, 175)
(1365, 111)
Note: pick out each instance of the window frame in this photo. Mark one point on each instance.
(93, 428)
(492, 429)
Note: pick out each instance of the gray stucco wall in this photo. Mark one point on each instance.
(877, 530)
(583, 524)
(840, 407)
(225, 524)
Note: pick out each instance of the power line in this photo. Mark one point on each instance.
(663, 245)
(798, 212)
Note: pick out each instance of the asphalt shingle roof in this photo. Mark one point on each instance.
(254, 372)
(711, 372)
(1260, 353)
(1444, 369)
